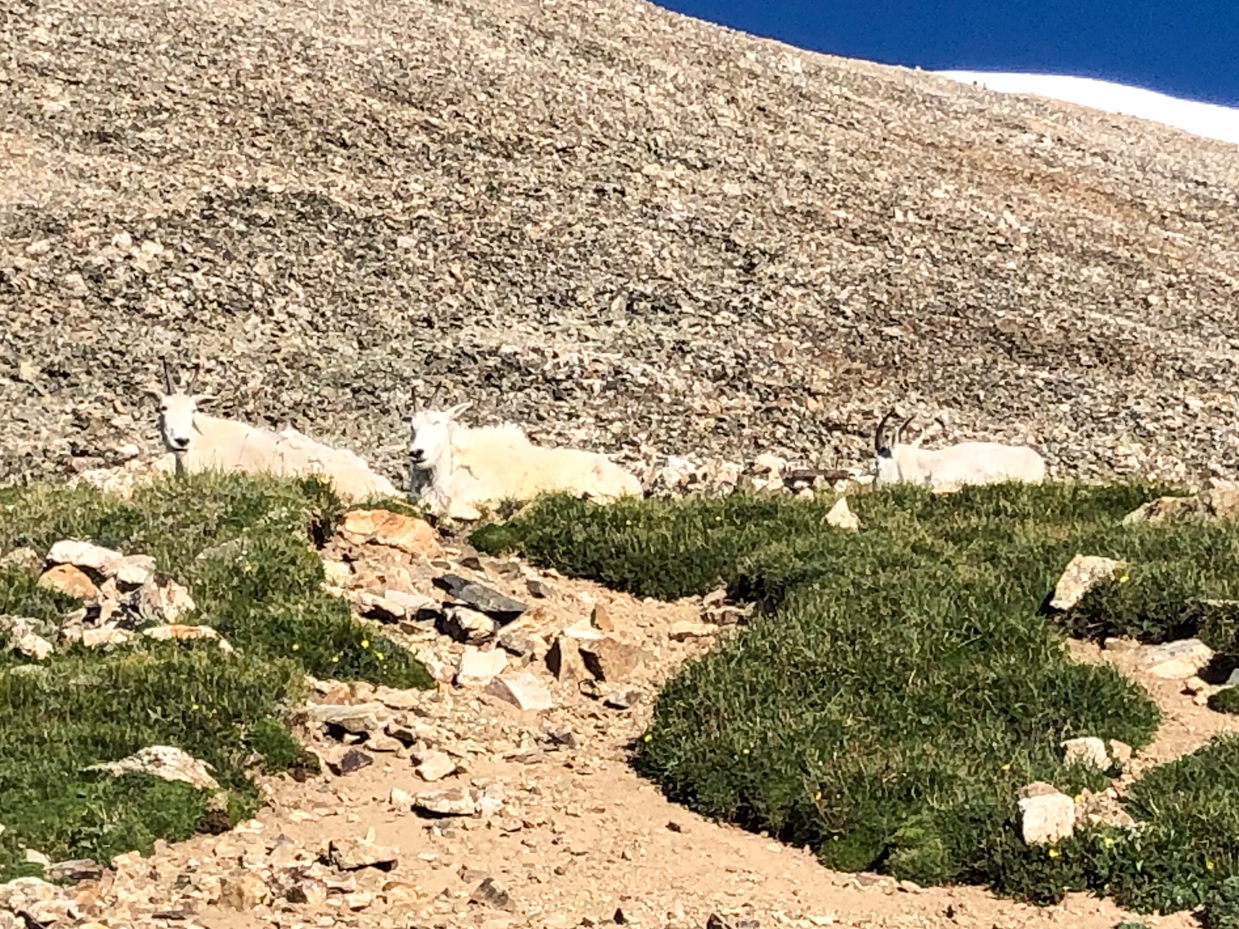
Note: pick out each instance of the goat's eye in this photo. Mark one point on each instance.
(163, 408)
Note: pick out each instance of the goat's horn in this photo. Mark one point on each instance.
(193, 378)
(435, 397)
(878, 444)
(899, 431)
(167, 377)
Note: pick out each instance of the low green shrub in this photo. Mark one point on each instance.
(651, 548)
(1184, 851)
(1225, 700)
(1221, 910)
(83, 708)
(243, 548)
(902, 683)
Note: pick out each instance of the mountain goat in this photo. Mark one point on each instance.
(965, 463)
(456, 468)
(198, 442)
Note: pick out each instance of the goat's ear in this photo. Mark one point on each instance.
(155, 392)
(458, 409)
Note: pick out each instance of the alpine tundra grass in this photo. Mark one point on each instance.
(898, 685)
(243, 546)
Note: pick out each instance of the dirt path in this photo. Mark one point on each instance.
(569, 837)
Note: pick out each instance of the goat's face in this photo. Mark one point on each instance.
(430, 435)
(176, 420)
(887, 444)
(177, 406)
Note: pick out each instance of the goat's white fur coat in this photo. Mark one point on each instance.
(965, 463)
(457, 469)
(228, 445)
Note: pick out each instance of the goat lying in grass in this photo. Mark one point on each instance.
(198, 442)
(965, 463)
(456, 469)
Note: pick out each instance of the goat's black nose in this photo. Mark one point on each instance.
(416, 454)
(181, 443)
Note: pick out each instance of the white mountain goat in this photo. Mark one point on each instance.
(456, 468)
(965, 463)
(198, 442)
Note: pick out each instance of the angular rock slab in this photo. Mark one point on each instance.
(842, 517)
(1082, 574)
(406, 533)
(522, 690)
(82, 554)
(481, 598)
(163, 761)
(1176, 660)
(1046, 816)
(478, 668)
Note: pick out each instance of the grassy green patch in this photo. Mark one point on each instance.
(902, 682)
(244, 549)
(1184, 851)
(1225, 700)
(84, 708)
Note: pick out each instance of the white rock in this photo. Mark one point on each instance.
(435, 766)
(362, 718)
(412, 602)
(164, 761)
(1176, 660)
(376, 607)
(164, 600)
(85, 555)
(454, 802)
(398, 699)
(583, 633)
(490, 803)
(353, 854)
(1082, 574)
(105, 636)
(1120, 752)
(1089, 751)
(135, 570)
(440, 669)
(34, 646)
(22, 893)
(769, 463)
(842, 517)
(337, 573)
(468, 625)
(1045, 814)
(477, 668)
(401, 799)
(522, 690)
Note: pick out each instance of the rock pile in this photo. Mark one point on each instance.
(121, 596)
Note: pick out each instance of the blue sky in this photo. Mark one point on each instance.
(1187, 49)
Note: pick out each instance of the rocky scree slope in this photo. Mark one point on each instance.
(616, 225)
